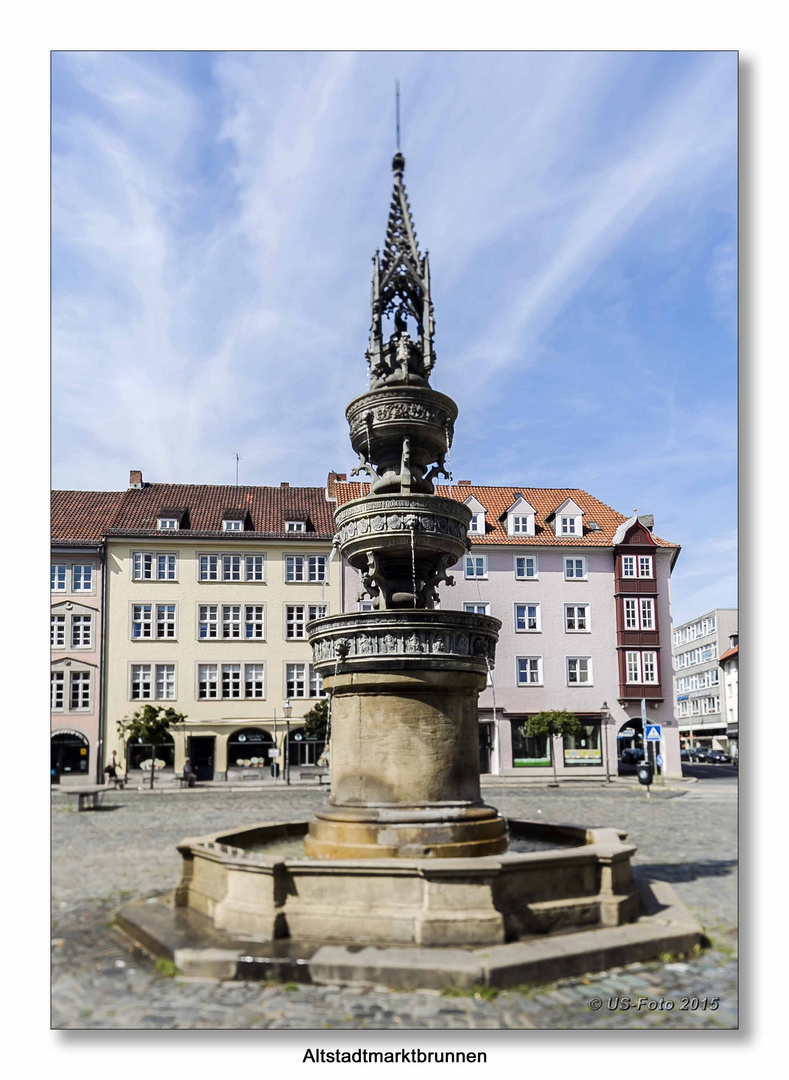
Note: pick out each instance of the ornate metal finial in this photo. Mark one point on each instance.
(401, 292)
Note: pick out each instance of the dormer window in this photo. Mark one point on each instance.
(568, 519)
(233, 525)
(520, 518)
(295, 526)
(477, 523)
(167, 524)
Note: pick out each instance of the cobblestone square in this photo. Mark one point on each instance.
(128, 850)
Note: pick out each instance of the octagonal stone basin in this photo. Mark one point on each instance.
(254, 882)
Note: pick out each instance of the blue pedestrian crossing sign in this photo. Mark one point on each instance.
(654, 733)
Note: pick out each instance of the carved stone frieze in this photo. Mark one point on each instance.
(441, 639)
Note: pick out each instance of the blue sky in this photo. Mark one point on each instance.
(214, 217)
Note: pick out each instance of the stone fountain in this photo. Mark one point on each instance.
(406, 853)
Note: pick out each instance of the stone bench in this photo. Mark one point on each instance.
(89, 798)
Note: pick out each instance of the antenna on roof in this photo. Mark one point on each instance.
(237, 461)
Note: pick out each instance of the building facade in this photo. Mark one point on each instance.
(729, 664)
(209, 589)
(584, 597)
(697, 646)
(78, 520)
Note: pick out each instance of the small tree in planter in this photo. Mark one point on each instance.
(316, 722)
(553, 722)
(150, 725)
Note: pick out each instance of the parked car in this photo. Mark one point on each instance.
(718, 757)
(684, 755)
(698, 753)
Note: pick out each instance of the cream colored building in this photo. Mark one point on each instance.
(208, 593)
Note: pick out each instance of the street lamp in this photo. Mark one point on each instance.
(287, 709)
(605, 714)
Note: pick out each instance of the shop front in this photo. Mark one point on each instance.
(249, 752)
(69, 756)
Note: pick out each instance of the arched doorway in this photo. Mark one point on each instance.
(630, 742)
(70, 754)
(139, 756)
(247, 750)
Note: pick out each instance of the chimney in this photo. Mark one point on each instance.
(284, 484)
(135, 478)
(647, 520)
(464, 483)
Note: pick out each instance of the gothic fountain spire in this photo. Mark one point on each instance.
(401, 293)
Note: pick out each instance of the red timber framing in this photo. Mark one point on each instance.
(635, 584)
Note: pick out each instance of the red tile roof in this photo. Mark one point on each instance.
(733, 651)
(497, 500)
(82, 516)
(88, 515)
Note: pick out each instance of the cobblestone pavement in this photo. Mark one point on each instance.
(105, 857)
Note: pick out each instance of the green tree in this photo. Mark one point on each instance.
(150, 725)
(316, 720)
(553, 722)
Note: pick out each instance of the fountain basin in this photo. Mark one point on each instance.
(245, 890)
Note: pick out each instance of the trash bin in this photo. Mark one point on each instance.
(274, 769)
(645, 772)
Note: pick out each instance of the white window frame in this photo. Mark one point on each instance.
(232, 525)
(233, 681)
(365, 605)
(472, 559)
(295, 620)
(57, 688)
(251, 567)
(231, 565)
(638, 667)
(294, 563)
(647, 602)
(295, 526)
(140, 681)
(57, 630)
(537, 628)
(524, 576)
(529, 682)
(158, 681)
(473, 608)
(78, 577)
(568, 525)
(80, 677)
(79, 619)
(292, 683)
(315, 680)
(589, 669)
(56, 577)
(573, 559)
(209, 566)
(163, 621)
(257, 621)
(208, 615)
(158, 565)
(232, 622)
(637, 561)
(587, 618)
(319, 572)
(254, 696)
(144, 621)
(168, 524)
(209, 675)
(477, 524)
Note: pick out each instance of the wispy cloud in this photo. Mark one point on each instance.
(213, 220)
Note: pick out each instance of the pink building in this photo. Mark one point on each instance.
(584, 597)
(78, 522)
